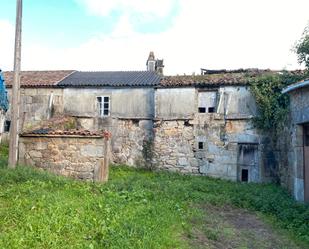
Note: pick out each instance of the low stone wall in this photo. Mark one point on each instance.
(79, 157)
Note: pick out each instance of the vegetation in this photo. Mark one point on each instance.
(135, 209)
(267, 89)
(273, 105)
(302, 48)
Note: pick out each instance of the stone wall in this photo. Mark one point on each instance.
(291, 143)
(207, 145)
(74, 156)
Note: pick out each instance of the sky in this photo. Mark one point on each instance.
(111, 35)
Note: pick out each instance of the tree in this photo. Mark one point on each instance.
(302, 48)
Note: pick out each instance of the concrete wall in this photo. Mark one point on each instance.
(235, 102)
(173, 103)
(77, 157)
(300, 106)
(125, 103)
(35, 104)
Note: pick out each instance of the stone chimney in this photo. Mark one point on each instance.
(154, 65)
(151, 62)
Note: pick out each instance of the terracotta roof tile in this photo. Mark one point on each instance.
(38, 78)
(71, 132)
(218, 77)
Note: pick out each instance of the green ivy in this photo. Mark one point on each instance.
(273, 105)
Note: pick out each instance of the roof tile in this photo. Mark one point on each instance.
(37, 78)
(111, 78)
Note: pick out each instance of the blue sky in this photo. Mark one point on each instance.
(118, 34)
(67, 23)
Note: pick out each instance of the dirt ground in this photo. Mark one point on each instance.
(231, 228)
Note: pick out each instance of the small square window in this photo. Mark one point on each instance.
(211, 109)
(200, 145)
(202, 110)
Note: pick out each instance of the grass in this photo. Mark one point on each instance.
(135, 209)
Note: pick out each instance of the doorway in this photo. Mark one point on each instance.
(247, 163)
(306, 163)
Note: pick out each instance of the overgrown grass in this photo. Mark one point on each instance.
(135, 209)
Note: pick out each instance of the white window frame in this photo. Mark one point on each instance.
(101, 105)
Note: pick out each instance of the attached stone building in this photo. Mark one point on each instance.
(190, 124)
(298, 142)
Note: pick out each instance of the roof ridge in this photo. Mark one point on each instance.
(64, 78)
(114, 71)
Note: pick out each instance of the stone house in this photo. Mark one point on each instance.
(191, 124)
(297, 149)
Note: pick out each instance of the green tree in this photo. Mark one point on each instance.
(302, 48)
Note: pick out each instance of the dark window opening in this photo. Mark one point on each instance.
(7, 126)
(244, 175)
(200, 145)
(187, 123)
(211, 109)
(202, 110)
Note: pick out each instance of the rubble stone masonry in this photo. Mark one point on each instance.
(74, 156)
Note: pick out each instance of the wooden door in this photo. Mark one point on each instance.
(306, 162)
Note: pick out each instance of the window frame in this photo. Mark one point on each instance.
(101, 104)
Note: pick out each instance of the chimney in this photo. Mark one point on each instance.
(151, 62)
(154, 65)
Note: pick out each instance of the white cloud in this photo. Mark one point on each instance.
(212, 34)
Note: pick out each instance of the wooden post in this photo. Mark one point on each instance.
(104, 164)
(15, 98)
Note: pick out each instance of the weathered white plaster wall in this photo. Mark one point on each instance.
(125, 103)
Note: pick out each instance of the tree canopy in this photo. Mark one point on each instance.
(302, 48)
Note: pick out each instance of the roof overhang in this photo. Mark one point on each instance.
(296, 86)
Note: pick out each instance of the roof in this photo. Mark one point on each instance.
(111, 78)
(213, 78)
(37, 78)
(295, 86)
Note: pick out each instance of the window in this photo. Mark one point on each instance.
(207, 102)
(202, 110)
(7, 125)
(103, 105)
(211, 109)
(200, 145)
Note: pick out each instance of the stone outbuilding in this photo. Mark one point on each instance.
(298, 147)
(74, 153)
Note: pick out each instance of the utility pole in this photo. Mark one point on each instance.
(15, 97)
